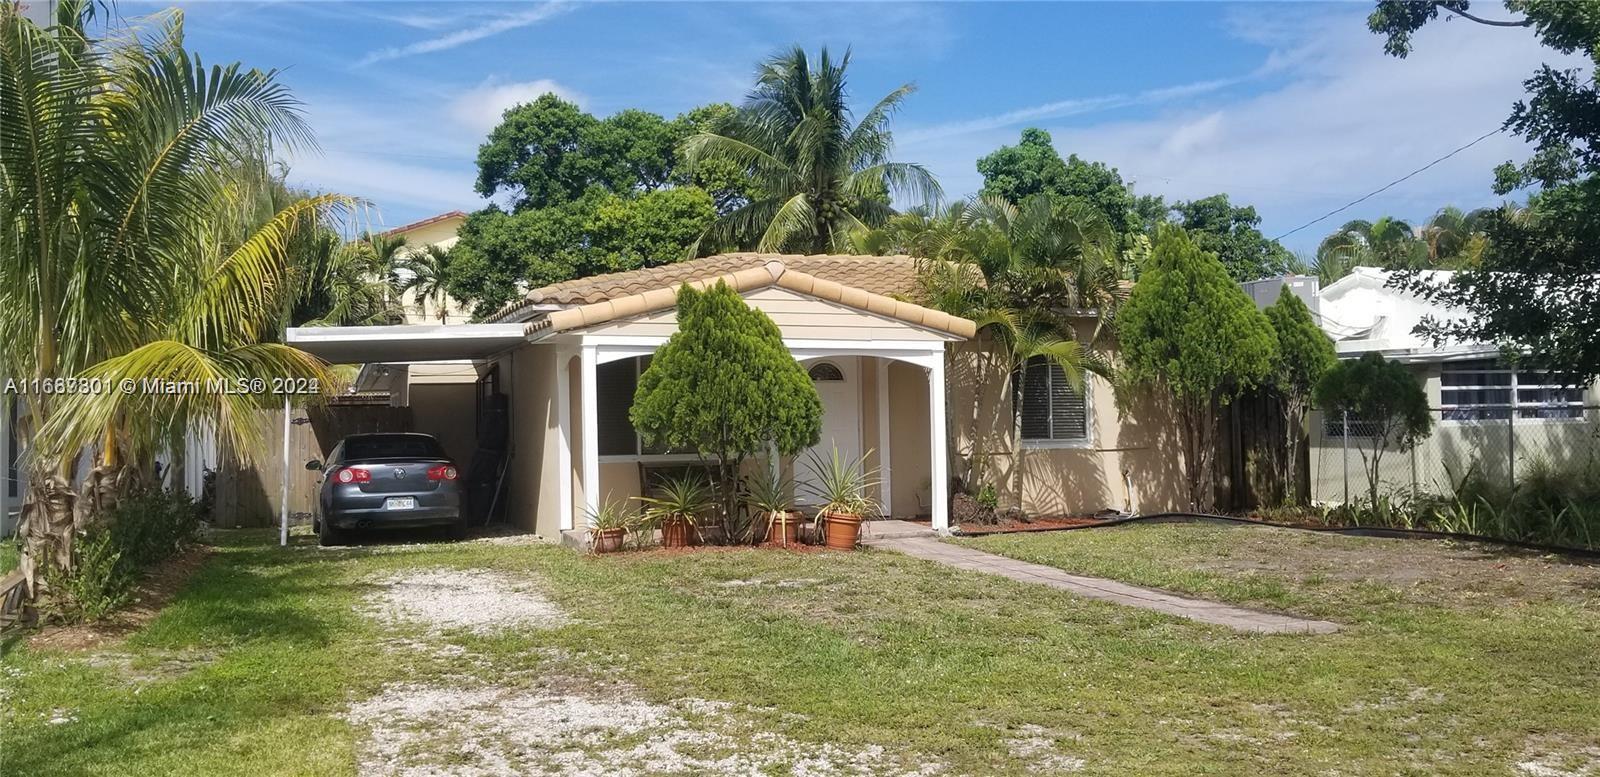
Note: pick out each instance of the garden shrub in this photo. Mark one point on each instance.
(110, 557)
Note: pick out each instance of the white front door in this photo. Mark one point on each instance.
(838, 382)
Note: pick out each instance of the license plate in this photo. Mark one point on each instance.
(400, 503)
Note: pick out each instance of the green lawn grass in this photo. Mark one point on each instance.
(10, 554)
(248, 670)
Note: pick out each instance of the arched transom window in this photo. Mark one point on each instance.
(825, 371)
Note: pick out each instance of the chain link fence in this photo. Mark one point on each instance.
(1501, 445)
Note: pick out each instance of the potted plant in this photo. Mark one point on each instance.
(841, 494)
(608, 528)
(770, 494)
(678, 505)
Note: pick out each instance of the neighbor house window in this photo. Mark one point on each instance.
(1488, 389)
(1048, 408)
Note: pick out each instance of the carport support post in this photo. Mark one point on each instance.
(940, 496)
(283, 506)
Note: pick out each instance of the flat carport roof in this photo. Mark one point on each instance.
(407, 342)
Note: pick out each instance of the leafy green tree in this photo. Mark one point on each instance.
(1032, 166)
(1305, 354)
(1388, 403)
(818, 176)
(132, 246)
(1189, 331)
(548, 152)
(725, 387)
(1534, 289)
(1232, 233)
(500, 255)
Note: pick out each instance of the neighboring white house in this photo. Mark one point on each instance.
(1488, 417)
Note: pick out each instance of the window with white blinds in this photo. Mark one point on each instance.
(1047, 407)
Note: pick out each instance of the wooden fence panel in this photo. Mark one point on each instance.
(248, 488)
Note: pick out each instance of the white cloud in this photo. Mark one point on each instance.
(480, 108)
(410, 187)
(1339, 119)
(484, 29)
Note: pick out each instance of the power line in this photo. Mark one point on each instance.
(1391, 184)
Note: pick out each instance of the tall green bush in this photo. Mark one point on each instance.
(1189, 331)
(1305, 354)
(726, 387)
(1387, 402)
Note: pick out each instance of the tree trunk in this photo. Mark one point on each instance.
(48, 527)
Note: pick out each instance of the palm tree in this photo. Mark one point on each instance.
(126, 171)
(819, 177)
(426, 271)
(1388, 243)
(1019, 272)
(1455, 238)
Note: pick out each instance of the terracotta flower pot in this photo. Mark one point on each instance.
(609, 540)
(783, 528)
(676, 533)
(842, 531)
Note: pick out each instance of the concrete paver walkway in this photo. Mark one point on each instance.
(931, 549)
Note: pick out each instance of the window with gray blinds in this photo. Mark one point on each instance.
(1047, 406)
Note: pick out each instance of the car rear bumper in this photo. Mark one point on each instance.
(431, 510)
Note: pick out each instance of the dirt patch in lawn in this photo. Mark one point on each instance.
(479, 601)
(1424, 570)
(149, 597)
(487, 731)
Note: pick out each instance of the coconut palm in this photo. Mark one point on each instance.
(819, 177)
(126, 172)
(425, 272)
(1455, 238)
(1389, 243)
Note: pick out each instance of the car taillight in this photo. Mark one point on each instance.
(442, 472)
(353, 475)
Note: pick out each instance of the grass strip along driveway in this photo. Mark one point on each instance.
(308, 661)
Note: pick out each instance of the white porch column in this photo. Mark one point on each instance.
(937, 441)
(591, 431)
(564, 438)
(885, 466)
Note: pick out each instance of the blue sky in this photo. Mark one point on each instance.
(1292, 108)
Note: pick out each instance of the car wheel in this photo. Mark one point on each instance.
(327, 535)
(458, 530)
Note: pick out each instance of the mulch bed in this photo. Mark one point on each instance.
(657, 550)
(149, 597)
(1033, 524)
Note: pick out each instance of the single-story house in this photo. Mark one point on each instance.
(915, 391)
(1489, 417)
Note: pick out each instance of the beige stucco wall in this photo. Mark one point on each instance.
(798, 315)
(448, 412)
(1131, 460)
(910, 457)
(532, 495)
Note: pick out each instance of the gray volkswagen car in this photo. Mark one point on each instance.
(380, 481)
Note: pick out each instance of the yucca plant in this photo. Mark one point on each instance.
(771, 494)
(677, 507)
(609, 525)
(840, 491)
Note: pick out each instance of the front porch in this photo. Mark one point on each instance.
(883, 401)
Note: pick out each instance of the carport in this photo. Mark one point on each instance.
(447, 377)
